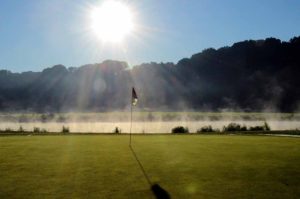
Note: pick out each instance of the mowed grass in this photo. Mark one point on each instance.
(187, 166)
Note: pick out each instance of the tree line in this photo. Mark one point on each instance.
(252, 75)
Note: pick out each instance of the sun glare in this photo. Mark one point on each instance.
(111, 21)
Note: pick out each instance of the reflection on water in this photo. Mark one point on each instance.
(142, 127)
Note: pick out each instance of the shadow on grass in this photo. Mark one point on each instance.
(159, 192)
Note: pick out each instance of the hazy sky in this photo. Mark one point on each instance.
(35, 34)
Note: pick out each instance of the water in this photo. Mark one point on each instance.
(142, 127)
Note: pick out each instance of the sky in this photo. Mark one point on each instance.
(36, 34)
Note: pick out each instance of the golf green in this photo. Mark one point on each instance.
(186, 166)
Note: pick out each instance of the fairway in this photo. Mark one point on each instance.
(186, 166)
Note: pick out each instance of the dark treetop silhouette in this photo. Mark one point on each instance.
(249, 75)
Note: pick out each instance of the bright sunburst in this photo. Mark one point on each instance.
(112, 21)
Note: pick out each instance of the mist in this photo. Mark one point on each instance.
(144, 122)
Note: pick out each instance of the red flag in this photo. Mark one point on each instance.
(134, 98)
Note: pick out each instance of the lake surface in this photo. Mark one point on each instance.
(142, 127)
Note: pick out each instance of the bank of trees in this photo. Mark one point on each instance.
(252, 75)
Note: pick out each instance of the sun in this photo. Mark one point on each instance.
(112, 21)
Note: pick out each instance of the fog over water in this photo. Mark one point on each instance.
(142, 126)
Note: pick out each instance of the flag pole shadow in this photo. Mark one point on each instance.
(156, 189)
(159, 192)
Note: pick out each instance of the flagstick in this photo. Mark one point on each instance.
(130, 123)
(133, 102)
